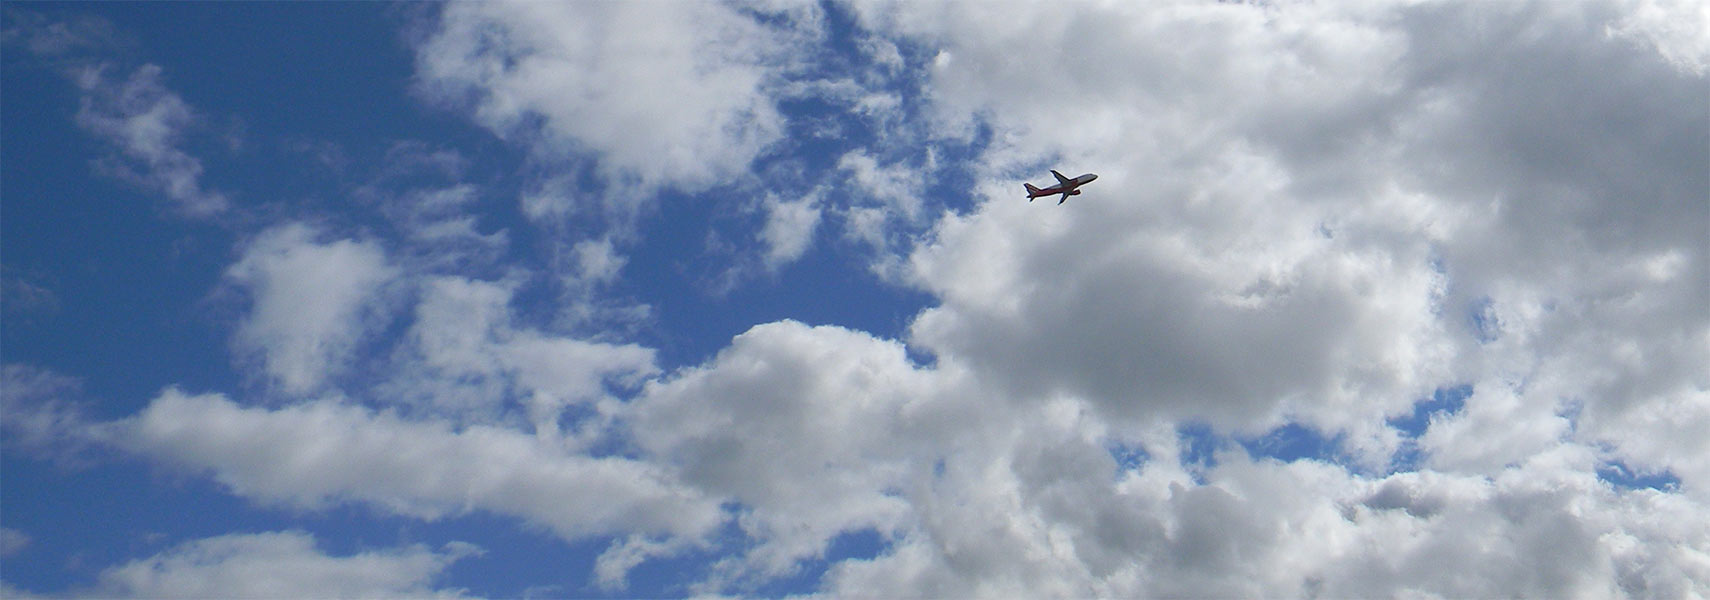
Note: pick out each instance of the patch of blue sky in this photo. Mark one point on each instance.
(657, 577)
(84, 519)
(860, 544)
(514, 555)
(124, 514)
(699, 269)
(674, 574)
(1127, 457)
(1292, 442)
(694, 314)
(515, 558)
(284, 68)
(896, 134)
(822, 126)
(1198, 445)
(127, 285)
(1617, 473)
(953, 183)
(1443, 401)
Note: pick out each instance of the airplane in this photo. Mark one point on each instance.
(1065, 186)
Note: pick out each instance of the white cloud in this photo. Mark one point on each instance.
(1498, 427)
(147, 123)
(1678, 29)
(978, 495)
(789, 229)
(1302, 204)
(1180, 316)
(661, 95)
(316, 454)
(596, 261)
(282, 564)
(812, 428)
(1052, 521)
(890, 205)
(611, 568)
(560, 371)
(894, 186)
(466, 358)
(311, 302)
(1301, 208)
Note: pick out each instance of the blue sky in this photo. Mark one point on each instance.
(695, 298)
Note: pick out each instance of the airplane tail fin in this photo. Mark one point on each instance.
(1031, 191)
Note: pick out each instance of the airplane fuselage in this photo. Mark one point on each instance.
(1065, 186)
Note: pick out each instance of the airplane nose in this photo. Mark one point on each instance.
(1092, 176)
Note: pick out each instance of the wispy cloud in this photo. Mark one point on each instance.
(44, 413)
(318, 454)
(146, 123)
(281, 564)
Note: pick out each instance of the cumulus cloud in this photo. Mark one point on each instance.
(812, 428)
(1151, 320)
(1202, 284)
(660, 95)
(283, 564)
(1300, 218)
(312, 302)
(1320, 213)
(1298, 529)
(974, 496)
(465, 357)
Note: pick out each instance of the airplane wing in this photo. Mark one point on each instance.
(1065, 198)
(1061, 180)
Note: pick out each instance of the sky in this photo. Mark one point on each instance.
(665, 299)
